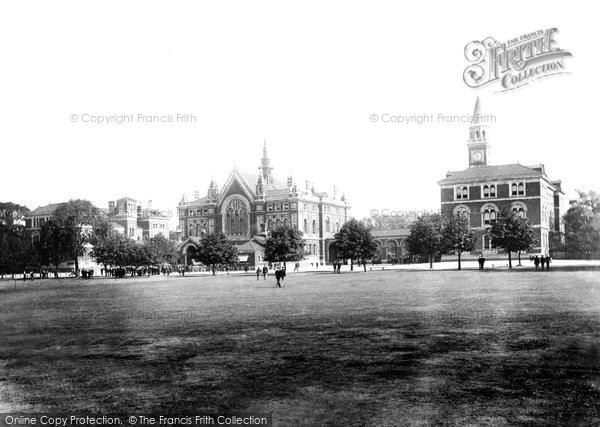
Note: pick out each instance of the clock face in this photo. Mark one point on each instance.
(477, 156)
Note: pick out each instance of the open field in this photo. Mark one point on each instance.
(384, 348)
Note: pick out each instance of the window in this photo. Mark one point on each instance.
(492, 190)
(270, 225)
(486, 191)
(286, 223)
(305, 226)
(278, 224)
(327, 225)
(314, 227)
(517, 189)
(235, 217)
(463, 211)
(465, 193)
(489, 213)
(269, 207)
(286, 206)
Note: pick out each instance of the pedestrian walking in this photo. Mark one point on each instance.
(265, 270)
(536, 262)
(282, 277)
(339, 267)
(481, 261)
(278, 277)
(548, 259)
(542, 262)
(258, 271)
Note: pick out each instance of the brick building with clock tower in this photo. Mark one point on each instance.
(483, 190)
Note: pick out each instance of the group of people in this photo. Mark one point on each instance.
(279, 275)
(337, 266)
(543, 260)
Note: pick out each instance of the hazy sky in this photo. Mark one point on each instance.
(305, 76)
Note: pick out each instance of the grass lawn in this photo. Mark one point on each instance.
(384, 348)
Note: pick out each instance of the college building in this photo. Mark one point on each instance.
(483, 190)
(249, 206)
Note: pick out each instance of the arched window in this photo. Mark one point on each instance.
(486, 191)
(337, 226)
(286, 223)
(465, 193)
(198, 212)
(197, 229)
(492, 215)
(314, 227)
(513, 190)
(236, 218)
(277, 224)
(521, 189)
(483, 134)
(327, 225)
(270, 225)
(191, 230)
(492, 190)
(477, 133)
(458, 192)
(305, 226)
(464, 212)
(486, 216)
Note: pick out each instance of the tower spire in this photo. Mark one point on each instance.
(265, 165)
(479, 147)
(476, 112)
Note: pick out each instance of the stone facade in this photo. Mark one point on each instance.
(249, 206)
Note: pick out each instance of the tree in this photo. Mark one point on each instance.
(512, 233)
(160, 250)
(78, 219)
(14, 243)
(355, 241)
(283, 245)
(582, 223)
(214, 250)
(457, 235)
(113, 250)
(52, 245)
(426, 237)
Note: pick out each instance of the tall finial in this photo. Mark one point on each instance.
(476, 112)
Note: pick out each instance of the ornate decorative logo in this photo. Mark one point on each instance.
(516, 62)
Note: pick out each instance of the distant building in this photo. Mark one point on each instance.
(482, 190)
(138, 223)
(249, 206)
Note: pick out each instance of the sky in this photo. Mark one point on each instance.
(304, 76)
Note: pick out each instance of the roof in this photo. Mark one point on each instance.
(128, 199)
(44, 210)
(252, 178)
(394, 232)
(489, 173)
(116, 225)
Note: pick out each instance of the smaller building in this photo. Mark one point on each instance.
(136, 222)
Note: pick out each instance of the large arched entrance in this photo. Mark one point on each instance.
(190, 252)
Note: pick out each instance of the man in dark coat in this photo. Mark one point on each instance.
(258, 271)
(481, 261)
(265, 271)
(278, 277)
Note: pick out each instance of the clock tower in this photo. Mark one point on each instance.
(479, 147)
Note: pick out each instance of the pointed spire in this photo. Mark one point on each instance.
(265, 148)
(476, 112)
